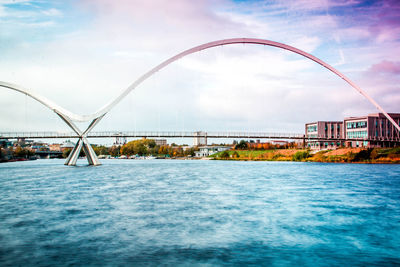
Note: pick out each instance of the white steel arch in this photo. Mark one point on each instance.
(69, 117)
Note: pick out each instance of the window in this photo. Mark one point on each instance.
(356, 125)
(311, 128)
(357, 134)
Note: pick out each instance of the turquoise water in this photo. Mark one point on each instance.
(208, 213)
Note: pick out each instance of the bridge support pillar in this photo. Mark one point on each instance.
(91, 156)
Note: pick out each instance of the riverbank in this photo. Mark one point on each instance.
(341, 155)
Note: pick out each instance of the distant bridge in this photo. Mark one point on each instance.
(183, 134)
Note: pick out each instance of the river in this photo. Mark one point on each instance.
(207, 213)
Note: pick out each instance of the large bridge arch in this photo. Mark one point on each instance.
(69, 117)
(102, 111)
(109, 106)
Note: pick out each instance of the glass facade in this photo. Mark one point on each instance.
(311, 128)
(357, 134)
(356, 125)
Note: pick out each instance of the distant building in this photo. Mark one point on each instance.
(375, 127)
(40, 148)
(120, 140)
(160, 142)
(55, 147)
(200, 138)
(324, 129)
(67, 145)
(5, 143)
(278, 142)
(206, 151)
(24, 142)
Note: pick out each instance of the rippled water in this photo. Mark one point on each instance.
(167, 212)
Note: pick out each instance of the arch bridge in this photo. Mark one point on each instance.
(70, 118)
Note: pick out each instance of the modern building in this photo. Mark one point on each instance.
(373, 130)
(206, 151)
(324, 129)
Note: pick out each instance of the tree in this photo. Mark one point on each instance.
(100, 150)
(20, 152)
(267, 146)
(115, 151)
(189, 152)
(66, 152)
(374, 154)
(140, 147)
(242, 145)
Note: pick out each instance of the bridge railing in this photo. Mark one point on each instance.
(14, 135)
(189, 134)
(152, 134)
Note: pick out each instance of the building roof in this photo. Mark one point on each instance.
(324, 122)
(214, 146)
(393, 115)
(68, 144)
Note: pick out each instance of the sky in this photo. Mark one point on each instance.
(82, 54)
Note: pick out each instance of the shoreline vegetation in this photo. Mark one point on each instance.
(242, 151)
(340, 155)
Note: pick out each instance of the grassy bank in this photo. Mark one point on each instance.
(349, 155)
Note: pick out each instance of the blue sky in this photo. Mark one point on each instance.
(81, 54)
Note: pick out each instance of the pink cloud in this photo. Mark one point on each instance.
(381, 80)
(318, 4)
(385, 67)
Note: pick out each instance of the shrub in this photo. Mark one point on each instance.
(300, 155)
(224, 155)
(363, 155)
(235, 155)
(374, 154)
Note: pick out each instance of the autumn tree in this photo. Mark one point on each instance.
(100, 150)
(140, 147)
(115, 151)
(20, 152)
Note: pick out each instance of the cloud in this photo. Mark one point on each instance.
(385, 67)
(52, 12)
(99, 47)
